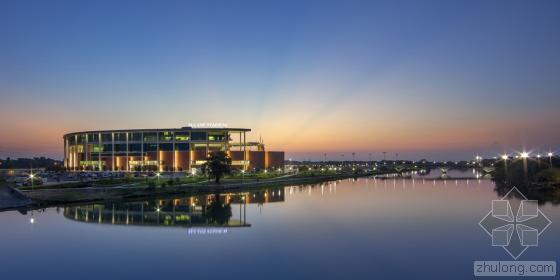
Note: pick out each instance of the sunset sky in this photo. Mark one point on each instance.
(425, 79)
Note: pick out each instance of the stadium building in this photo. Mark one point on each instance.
(179, 149)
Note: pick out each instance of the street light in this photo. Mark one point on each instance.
(158, 175)
(524, 155)
(504, 157)
(31, 176)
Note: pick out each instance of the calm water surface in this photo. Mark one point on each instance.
(366, 228)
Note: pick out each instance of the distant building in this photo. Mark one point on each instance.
(176, 149)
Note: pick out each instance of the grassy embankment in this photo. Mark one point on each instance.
(163, 182)
(178, 186)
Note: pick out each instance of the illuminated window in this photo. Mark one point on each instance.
(216, 136)
(97, 148)
(182, 136)
(166, 136)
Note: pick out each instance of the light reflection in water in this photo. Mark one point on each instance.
(359, 228)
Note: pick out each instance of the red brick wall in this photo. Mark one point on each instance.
(275, 160)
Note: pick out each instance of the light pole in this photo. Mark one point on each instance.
(31, 177)
(525, 155)
(157, 176)
(505, 158)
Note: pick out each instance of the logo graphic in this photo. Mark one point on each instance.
(515, 232)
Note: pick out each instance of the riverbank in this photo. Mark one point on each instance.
(50, 197)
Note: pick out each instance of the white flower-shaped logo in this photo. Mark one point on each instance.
(515, 232)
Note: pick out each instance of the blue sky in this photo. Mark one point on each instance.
(435, 79)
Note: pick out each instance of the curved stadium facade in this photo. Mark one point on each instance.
(178, 149)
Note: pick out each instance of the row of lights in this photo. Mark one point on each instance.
(525, 155)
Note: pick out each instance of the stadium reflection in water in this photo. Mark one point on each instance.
(349, 229)
(221, 210)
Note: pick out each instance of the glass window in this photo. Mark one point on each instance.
(166, 147)
(79, 148)
(149, 147)
(107, 148)
(94, 137)
(182, 136)
(134, 147)
(166, 136)
(150, 137)
(106, 137)
(136, 136)
(120, 137)
(182, 146)
(198, 136)
(97, 148)
(120, 147)
(81, 138)
(71, 140)
(216, 136)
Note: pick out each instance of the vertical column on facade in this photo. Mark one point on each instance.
(142, 152)
(207, 146)
(99, 152)
(191, 152)
(113, 161)
(65, 153)
(86, 147)
(226, 141)
(244, 150)
(174, 153)
(127, 159)
(241, 149)
(75, 161)
(157, 152)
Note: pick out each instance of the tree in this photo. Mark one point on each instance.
(217, 165)
(216, 212)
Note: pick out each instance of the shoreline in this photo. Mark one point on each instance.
(43, 198)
